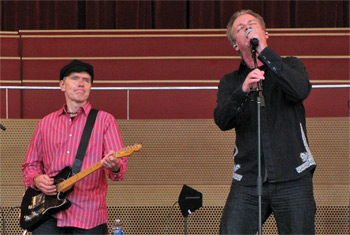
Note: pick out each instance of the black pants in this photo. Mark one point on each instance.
(50, 227)
(291, 202)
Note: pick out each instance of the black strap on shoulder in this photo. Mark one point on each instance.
(84, 140)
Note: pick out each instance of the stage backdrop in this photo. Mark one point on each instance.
(182, 145)
(159, 14)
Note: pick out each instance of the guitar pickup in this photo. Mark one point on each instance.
(37, 201)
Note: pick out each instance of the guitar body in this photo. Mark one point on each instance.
(37, 207)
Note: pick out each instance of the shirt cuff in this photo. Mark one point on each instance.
(32, 183)
(271, 59)
(119, 174)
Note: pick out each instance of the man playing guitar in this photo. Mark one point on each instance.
(54, 146)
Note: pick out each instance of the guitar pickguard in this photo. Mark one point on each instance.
(38, 207)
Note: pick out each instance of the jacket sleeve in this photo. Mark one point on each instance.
(291, 72)
(231, 100)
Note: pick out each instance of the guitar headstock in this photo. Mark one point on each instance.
(128, 150)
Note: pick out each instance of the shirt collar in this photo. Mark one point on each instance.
(244, 69)
(84, 109)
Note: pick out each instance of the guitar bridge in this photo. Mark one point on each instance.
(34, 214)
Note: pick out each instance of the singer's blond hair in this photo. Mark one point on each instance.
(229, 32)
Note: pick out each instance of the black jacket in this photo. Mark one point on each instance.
(285, 151)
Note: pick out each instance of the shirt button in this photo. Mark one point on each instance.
(70, 134)
(67, 151)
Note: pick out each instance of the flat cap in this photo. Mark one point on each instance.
(77, 66)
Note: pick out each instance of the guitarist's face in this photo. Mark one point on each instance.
(76, 87)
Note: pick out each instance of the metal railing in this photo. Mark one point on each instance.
(128, 89)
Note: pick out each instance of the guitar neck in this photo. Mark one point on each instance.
(68, 183)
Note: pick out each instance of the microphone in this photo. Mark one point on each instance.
(254, 42)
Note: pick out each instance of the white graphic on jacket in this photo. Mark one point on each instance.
(236, 176)
(306, 157)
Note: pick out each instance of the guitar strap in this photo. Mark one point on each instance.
(84, 141)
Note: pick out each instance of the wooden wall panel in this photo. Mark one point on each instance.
(129, 70)
(165, 69)
(10, 71)
(10, 103)
(162, 58)
(42, 102)
(10, 74)
(328, 102)
(110, 46)
(173, 104)
(9, 44)
(177, 44)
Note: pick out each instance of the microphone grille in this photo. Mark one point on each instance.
(248, 31)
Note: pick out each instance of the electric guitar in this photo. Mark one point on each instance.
(37, 207)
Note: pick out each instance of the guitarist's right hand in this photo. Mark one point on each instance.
(45, 184)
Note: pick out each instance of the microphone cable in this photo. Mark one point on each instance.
(4, 218)
(168, 217)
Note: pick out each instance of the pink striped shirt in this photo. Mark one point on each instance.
(53, 147)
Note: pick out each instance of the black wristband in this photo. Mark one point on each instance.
(115, 172)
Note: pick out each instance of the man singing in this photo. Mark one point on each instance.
(287, 163)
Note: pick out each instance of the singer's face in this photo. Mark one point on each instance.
(76, 87)
(241, 25)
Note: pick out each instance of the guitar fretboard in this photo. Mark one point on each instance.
(68, 183)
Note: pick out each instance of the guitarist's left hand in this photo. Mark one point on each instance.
(110, 162)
